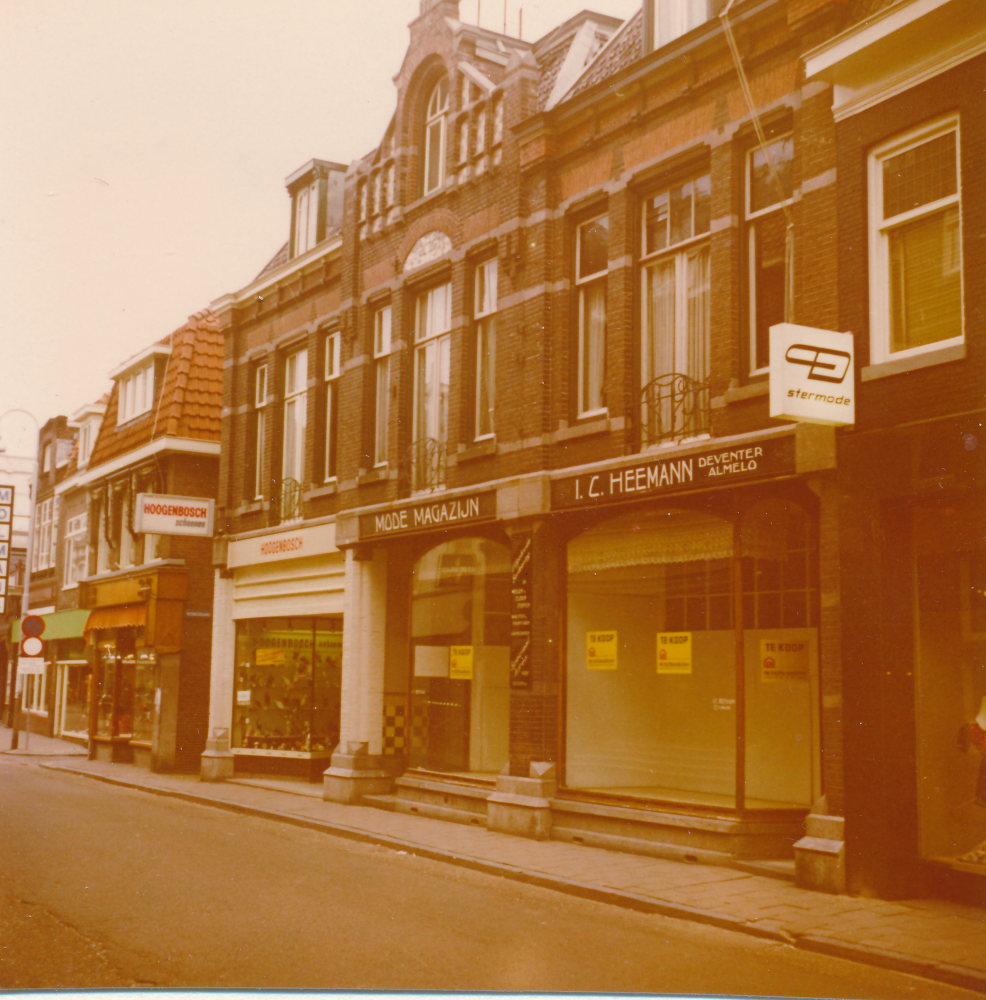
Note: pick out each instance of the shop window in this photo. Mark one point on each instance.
(652, 664)
(35, 686)
(287, 686)
(485, 319)
(306, 218)
(432, 352)
(295, 417)
(675, 280)
(117, 662)
(950, 683)
(381, 383)
(435, 124)
(258, 433)
(915, 243)
(769, 190)
(76, 690)
(76, 550)
(591, 267)
(460, 646)
(333, 371)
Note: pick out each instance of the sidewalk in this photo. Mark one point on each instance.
(33, 745)
(931, 938)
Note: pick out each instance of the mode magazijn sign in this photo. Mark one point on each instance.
(429, 516)
(164, 515)
(811, 375)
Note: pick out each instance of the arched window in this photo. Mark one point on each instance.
(436, 114)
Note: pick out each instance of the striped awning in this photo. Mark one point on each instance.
(122, 616)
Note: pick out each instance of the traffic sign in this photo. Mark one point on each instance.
(33, 625)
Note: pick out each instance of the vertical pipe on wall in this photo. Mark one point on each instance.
(740, 668)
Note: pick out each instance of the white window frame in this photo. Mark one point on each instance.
(34, 692)
(389, 186)
(333, 370)
(136, 394)
(306, 218)
(46, 458)
(295, 413)
(582, 284)
(432, 335)
(261, 397)
(484, 313)
(879, 238)
(481, 131)
(382, 329)
(680, 18)
(681, 253)
(43, 534)
(76, 541)
(751, 218)
(85, 437)
(497, 120)
(436, 114)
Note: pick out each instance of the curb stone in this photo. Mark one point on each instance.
(943, 972)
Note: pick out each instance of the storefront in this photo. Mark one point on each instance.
(149, 684)
(277, 672)
(650, 638)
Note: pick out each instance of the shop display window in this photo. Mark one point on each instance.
(288, 686)
(651, 705)
(116, 651)
(950, 688)
(76, 691)
(145, 674)
(460, 653)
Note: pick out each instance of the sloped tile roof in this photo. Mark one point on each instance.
(281, 257)
(626, 47)
(189, 403)
(550, 59)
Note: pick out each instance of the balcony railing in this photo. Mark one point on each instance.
(673, 407)
(423, 467)
(288, 500)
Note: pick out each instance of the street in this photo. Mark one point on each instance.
(108, 887)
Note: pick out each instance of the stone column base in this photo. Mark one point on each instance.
(217, 761)
(820, 856)
(521, 806)
(353, 773)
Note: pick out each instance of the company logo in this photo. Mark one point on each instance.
(812, 358)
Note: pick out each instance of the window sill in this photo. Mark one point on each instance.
(590, 427)
(251, 508)
(740, 393)
(478, 449)
(372, 476)
(316, 492)
(897, 366)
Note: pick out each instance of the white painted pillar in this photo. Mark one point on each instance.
(372, 626)
(217, 761)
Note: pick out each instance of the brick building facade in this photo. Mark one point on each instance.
(592, 589)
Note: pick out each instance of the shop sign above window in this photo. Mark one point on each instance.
(811, 375)
(429, 516)
(166, 515)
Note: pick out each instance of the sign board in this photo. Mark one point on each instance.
(460, 663)
(521, 596)
(166, 515)
(429, 516)
(299, 543)
(753, 459)
(600, 650)
(6, 519)
(812, 375)
(784, 660)
(674, 652)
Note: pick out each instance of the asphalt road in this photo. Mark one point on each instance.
(107, 887)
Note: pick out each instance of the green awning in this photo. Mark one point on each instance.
(58, 625)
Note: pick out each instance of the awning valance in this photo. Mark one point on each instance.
(122, 616)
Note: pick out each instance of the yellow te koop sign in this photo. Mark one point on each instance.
(674, 652)
(600, 649)
(460, 663)
(783, 661)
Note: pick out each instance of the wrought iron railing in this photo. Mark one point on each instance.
(423, 467)
(289, 500)
(673, 407)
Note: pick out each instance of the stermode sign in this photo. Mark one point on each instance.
(165, 515)
(812, 375)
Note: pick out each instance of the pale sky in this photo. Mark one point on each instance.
(144, 151)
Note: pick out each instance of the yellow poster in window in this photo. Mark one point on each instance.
(600, 649)
(674, 652)
(460, 663)
(270, 657)
(784, 660)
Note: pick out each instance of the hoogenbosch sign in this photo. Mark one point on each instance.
(165, 515)
(811, 375)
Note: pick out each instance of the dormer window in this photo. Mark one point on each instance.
(436, 113)
(136, 393)
(85, 443)
(672, 18)
(306, 218)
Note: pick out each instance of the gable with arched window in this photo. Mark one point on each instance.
(435, 137)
